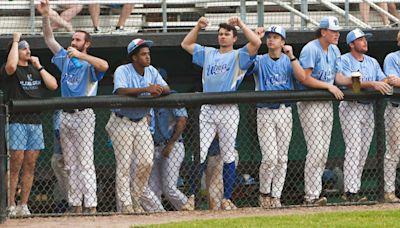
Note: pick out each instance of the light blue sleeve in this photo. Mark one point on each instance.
(308, 57)
(345, 66)
(380, 76)
(245, 60)
(120, 78)
(390, 65)
(255, 66)
(199, 54)
(157, 77)
(59, 58)
(180, 112)
(95, 76)
(338, 65)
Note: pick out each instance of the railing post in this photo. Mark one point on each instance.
(347, 11)
(304, 10)
(164, 15)
(197, 174)
(380, 142)
(32, 15)
(243, 10)
(3, 160)
(260, 13)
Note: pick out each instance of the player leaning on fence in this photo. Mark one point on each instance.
(80, 73)
(357, 117)
(223, 70)
(23, 77)
(320, 60)
(274, 71)
(129, 130)
(391, 67)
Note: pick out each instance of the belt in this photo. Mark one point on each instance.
(165, 142)
(72, 111)
(364, 102)
(395, 105)
(277, 106)
(131, 119)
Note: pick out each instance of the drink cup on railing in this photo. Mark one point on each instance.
(356, 81)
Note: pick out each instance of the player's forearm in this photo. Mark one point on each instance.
(166, 90)
(49, 80)
(131, 91)
(49, 39)
(298, 71)
(12, 59)
(99, 64)
(190, 39)
(254, 41)
(179, 128)
(340, 79)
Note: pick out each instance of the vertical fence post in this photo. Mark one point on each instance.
(196, 158)
(164, 15)
(243, 10)
(304, 10)
(3, 160)
(260, 13)
(380, 143)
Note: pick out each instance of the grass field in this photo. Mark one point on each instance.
(385, 218)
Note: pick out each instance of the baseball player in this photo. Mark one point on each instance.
(357, 117)
(320, 60)
(80, 73)
(391, 67)
(128, 128)
(23, 77)
(274, 71)
(223, 70)
(168, 125)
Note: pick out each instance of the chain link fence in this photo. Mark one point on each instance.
(295, 153)
(124, 17)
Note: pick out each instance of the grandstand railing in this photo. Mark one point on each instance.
(176, 15)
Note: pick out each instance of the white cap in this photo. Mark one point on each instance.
(331, 23)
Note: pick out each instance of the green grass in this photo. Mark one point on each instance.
(386, 218)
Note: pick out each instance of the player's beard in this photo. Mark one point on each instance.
(361, 49)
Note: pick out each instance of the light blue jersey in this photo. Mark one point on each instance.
(325, 65)
(125, 76)
(76, 82)
(391, 65)
(272, 75)
(163, 123)
(222, 72)
(369, 67)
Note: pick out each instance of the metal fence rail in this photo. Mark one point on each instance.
(336, 175)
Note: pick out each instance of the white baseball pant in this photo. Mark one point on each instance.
(133, 148)
(316, 120)
(274, 128)
(221, 119)
(77, 137)
(61, 188)
(357, 121)
(163, 179)
(392, 155)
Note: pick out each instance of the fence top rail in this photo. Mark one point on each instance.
(187, 99)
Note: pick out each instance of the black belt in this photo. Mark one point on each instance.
(131, 119)
(394, 105)
(165, 142)
(364, 102)
(72, 111)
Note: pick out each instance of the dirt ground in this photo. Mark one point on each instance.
(129, 220)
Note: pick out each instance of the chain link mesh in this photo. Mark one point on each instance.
(282, 156)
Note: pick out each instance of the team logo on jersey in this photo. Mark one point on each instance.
(29, 76)
(216, 69)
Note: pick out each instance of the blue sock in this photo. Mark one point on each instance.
(229, 176)
(193, 177)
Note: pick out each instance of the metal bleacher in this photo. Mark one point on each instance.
(177, 15)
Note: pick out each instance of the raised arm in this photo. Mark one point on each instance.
(298, 71)
(12, 59)
(190, 39)
(99, 64)
(254, 40)
(49, 80)
(51, 42)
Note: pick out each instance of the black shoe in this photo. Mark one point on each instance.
(61, 207)
(354, 198)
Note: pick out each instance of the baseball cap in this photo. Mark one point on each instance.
(137, 43)
(23, 44)
(355, 34)
(331, 23)
(276, 29)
